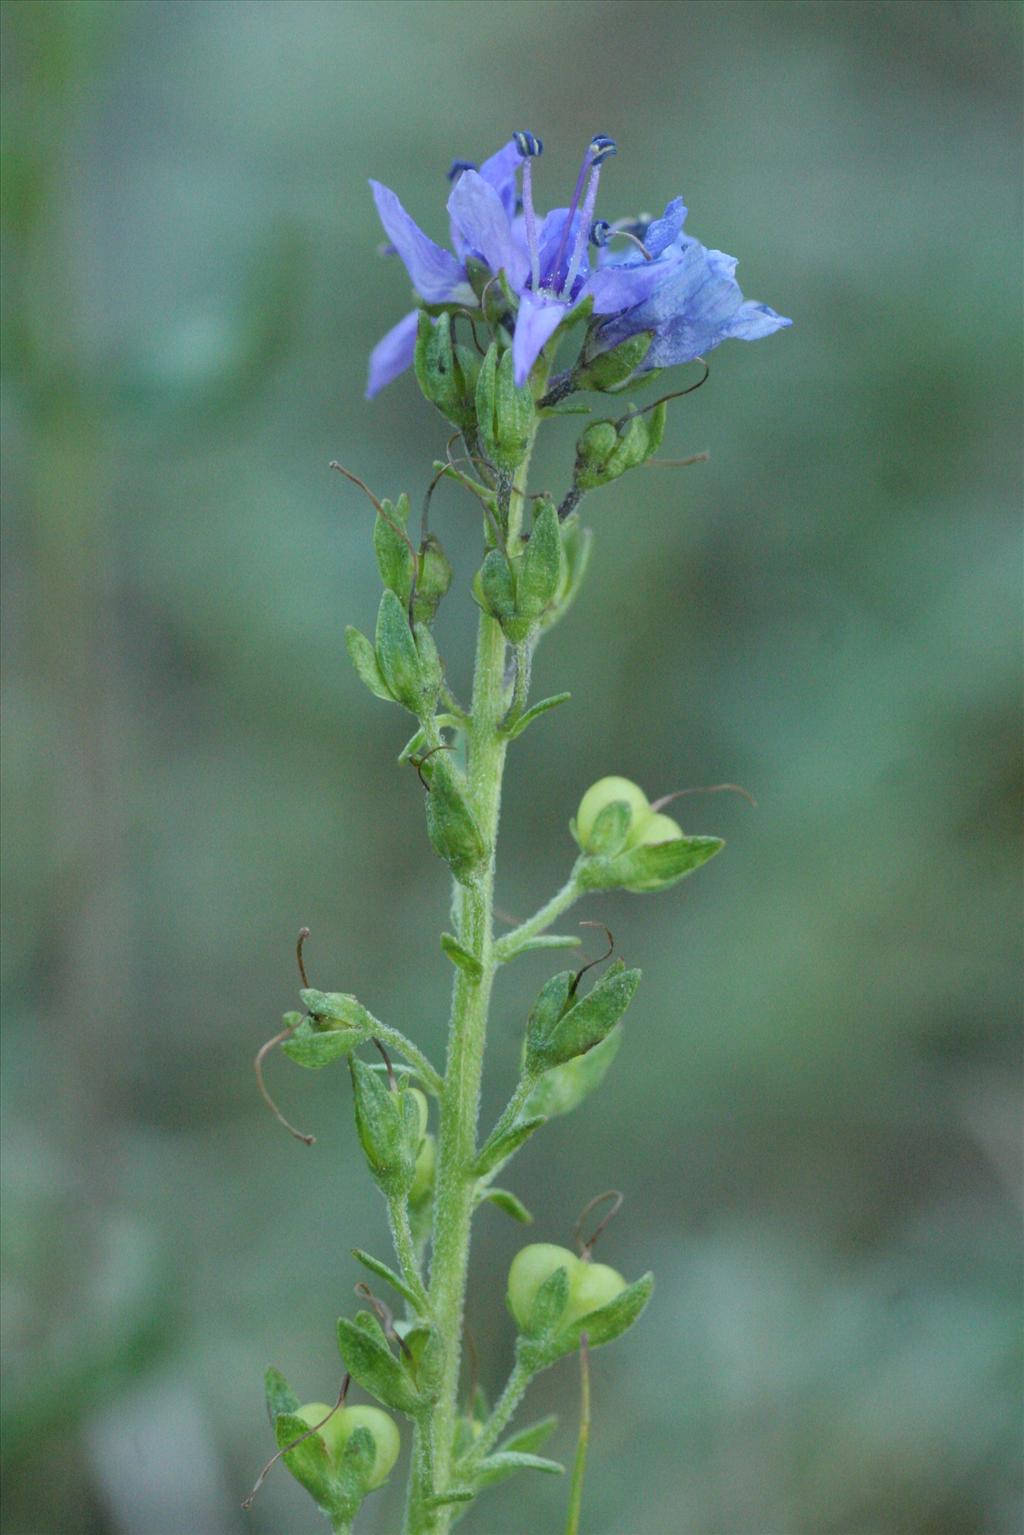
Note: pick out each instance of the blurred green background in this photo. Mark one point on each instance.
(814, 1119)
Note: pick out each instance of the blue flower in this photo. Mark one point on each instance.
(664, 281)
(695, 307)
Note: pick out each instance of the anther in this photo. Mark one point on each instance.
(458, 166)
(528, 144)
(600, 233)
(602, 148)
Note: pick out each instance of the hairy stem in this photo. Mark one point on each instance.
(508, 947)
(460, 1098)
(504, 1407)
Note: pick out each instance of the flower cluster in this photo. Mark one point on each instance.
(648, 278)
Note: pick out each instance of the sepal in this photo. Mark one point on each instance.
(408, 660)
(451, 824)
(390, 1125)
(446, 372)
(370, 1362)
(364, 659)
(609, 371)
(505, 414)
(655, 866)
(554, 1037)
(563, 1088)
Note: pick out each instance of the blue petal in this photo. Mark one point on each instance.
(478, 211)
(537, 319)
(615, 288)
(661, 233)
(752, 321)
(436, 275)
(500, 171)
(392, 354)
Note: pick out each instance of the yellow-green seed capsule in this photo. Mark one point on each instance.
(591, 1285)
(606, 792)
(340, 1427)
(656, 828)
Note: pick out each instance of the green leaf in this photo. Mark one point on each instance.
(356, 1467)
(313, 1048)
(507, 1201)
(460, 957)
(280, 1396)
(611, 828)
(502, 1144)
(503, 1463)
(453, 1495)
(498, 587)
(364, 659)
(564, 1087)
(388, 1275)
(548, 941)
(518, 726)
(376, 1369)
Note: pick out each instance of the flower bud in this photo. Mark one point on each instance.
(342, 1424)
(611, 811)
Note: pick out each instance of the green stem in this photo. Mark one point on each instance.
(460, 1099)
(508, 947)
(504, 1407)
(431, 1079)
(579, 1469)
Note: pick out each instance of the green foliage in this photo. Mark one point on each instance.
(505, 415)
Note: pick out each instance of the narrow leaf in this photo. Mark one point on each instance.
(453, 1495)
(503, 1463)
(518, 726)
(507, 1201)
(499, 1147)
(388, 1275)
(460, 957)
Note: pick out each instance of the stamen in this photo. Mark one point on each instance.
(601, 149)
(530, 147)
(594, 147)
(601, 233)
(458, 166)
